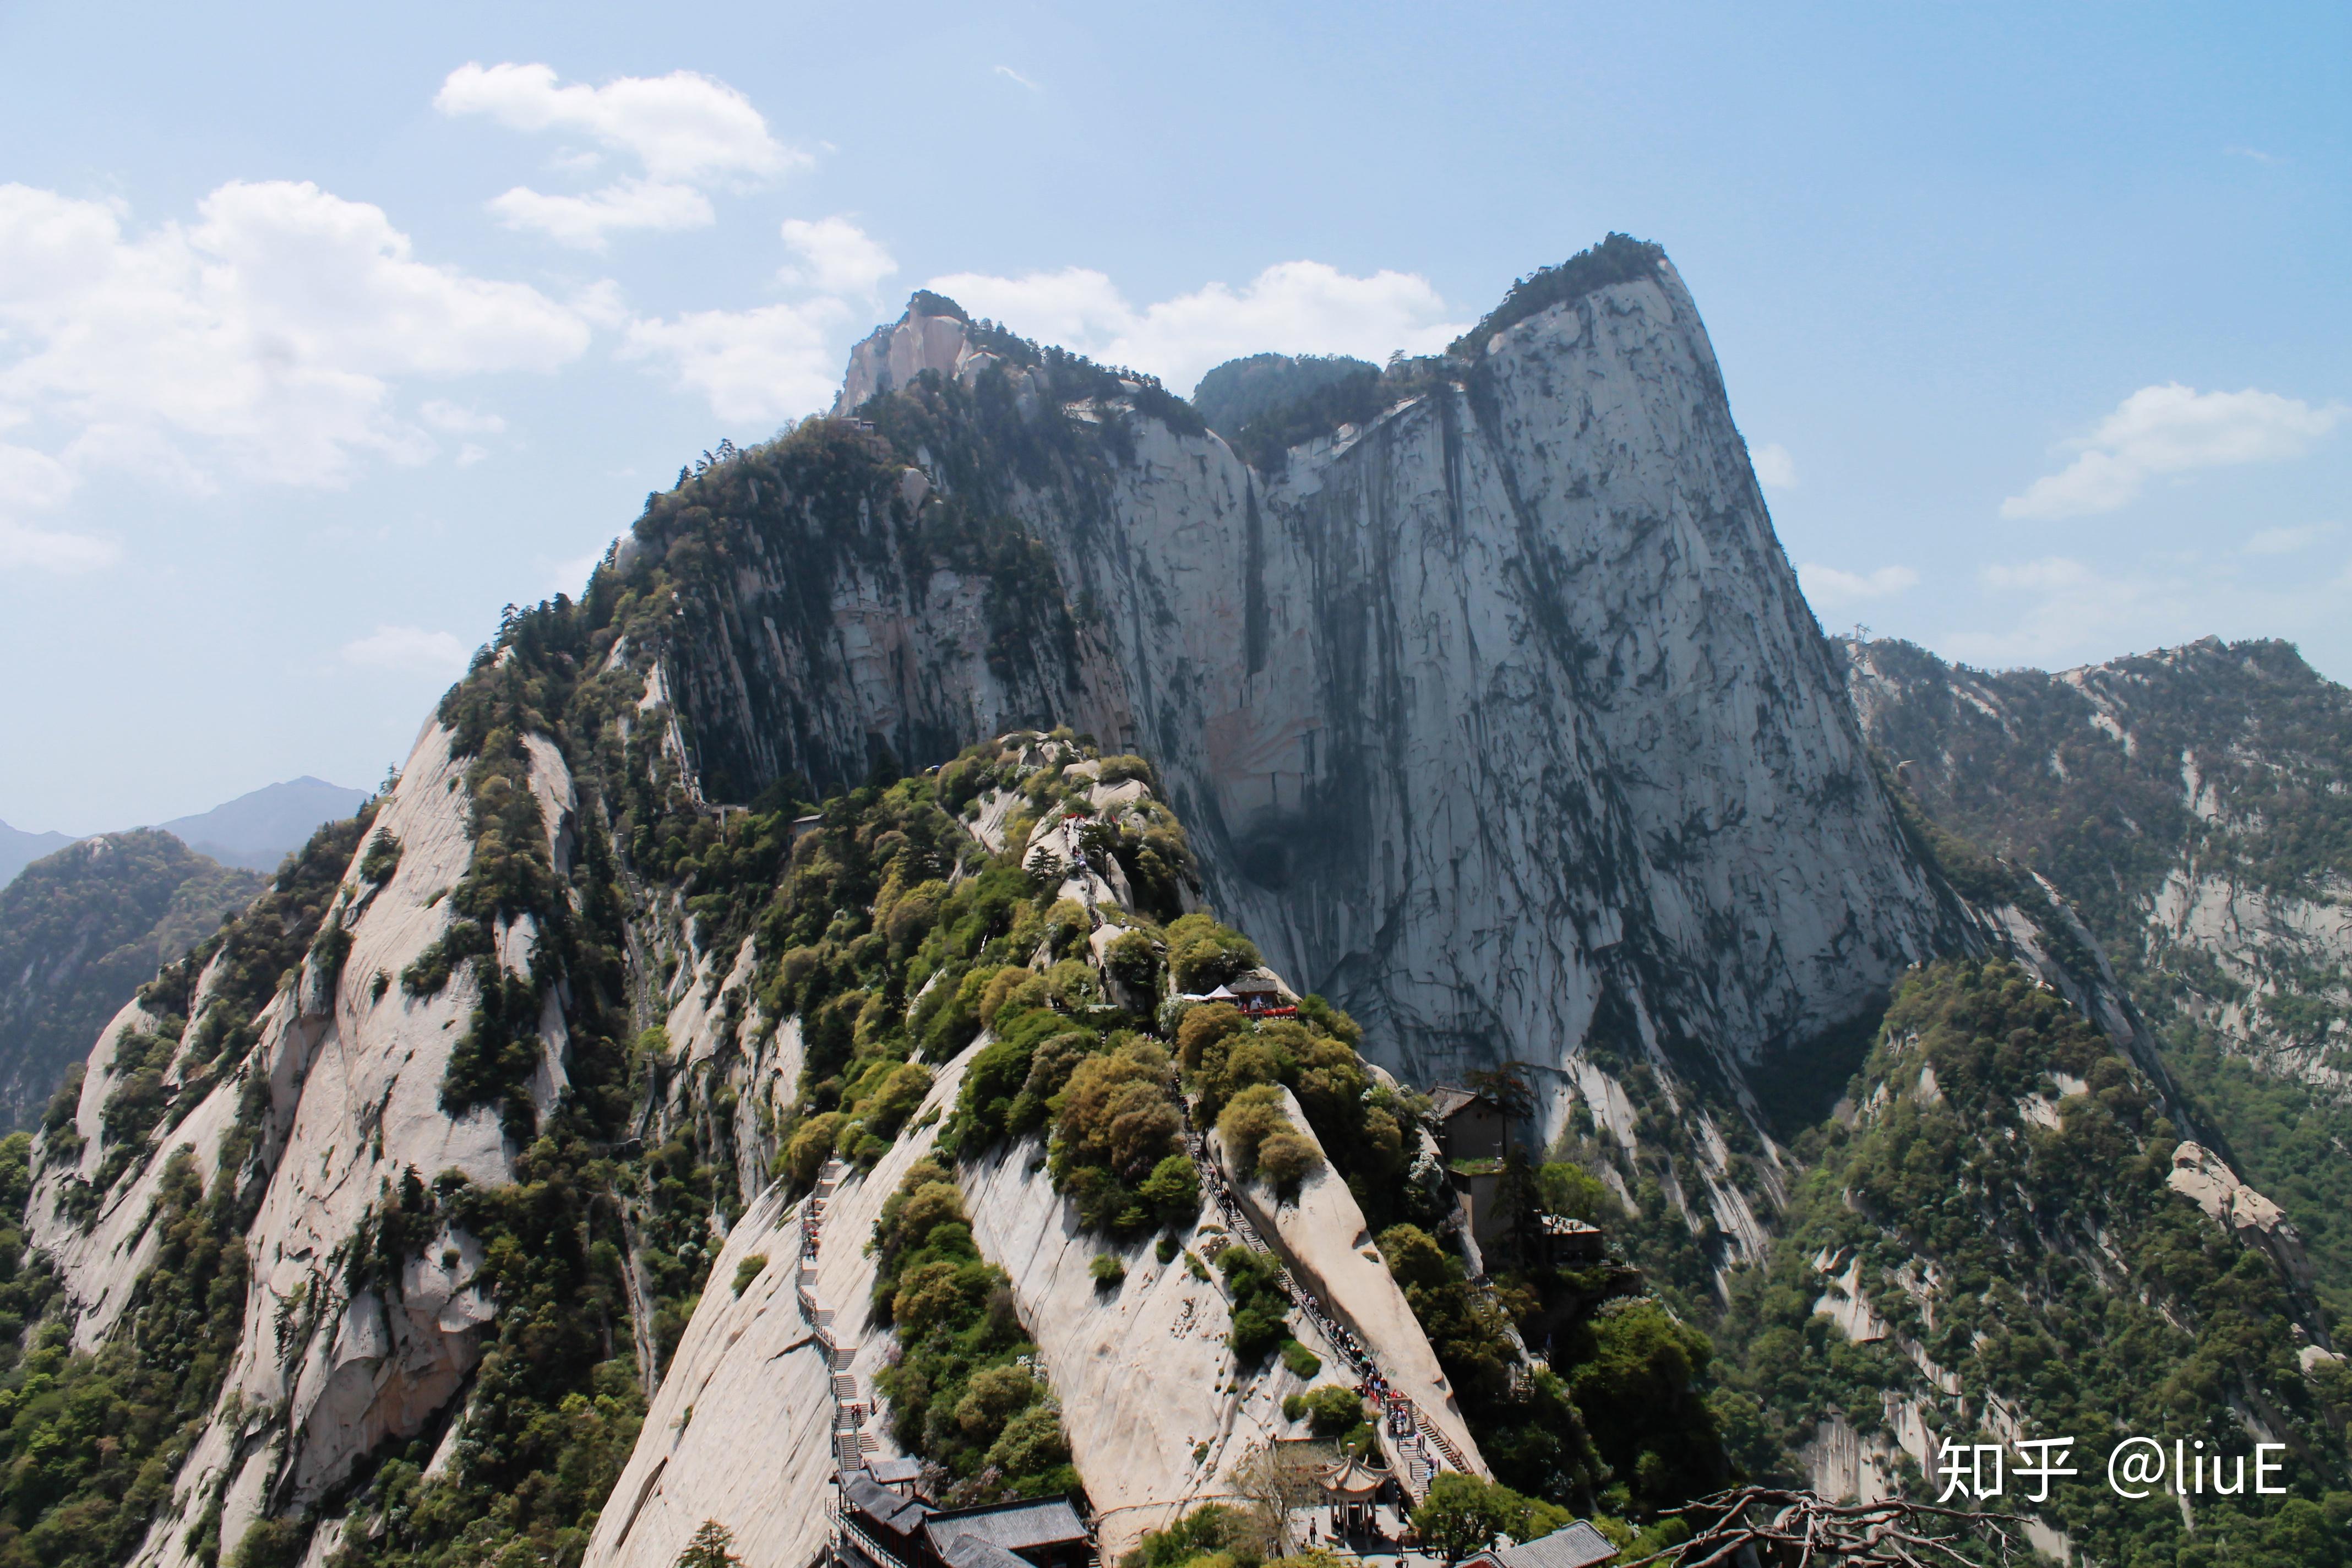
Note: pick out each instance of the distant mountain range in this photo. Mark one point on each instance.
(19, 850)
(255, 830)
(80, 929)
(259, 829)
(84, 920)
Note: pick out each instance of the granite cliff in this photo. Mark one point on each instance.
(1498, 717)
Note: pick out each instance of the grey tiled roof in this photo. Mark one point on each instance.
(1577, 1545)
(884, 1506)
(969, 1550)
(1014, 1526)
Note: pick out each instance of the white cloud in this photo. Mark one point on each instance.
(1829, 585)
(689, 132)
(408, 648)
(762, 364)
(2286, 540)
(48, 550)
(585, 221)
(1009, 74)
(682, 126)
(1073, 307)
(458, 420)
(2171, 429)
(2058, 611)
(837, 257)
(600, 302)
(1775, 468)
(31, 479)
(2255, 154)
(265, 339)
(1294, 307)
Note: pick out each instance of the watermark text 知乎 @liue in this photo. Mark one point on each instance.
(2136, 1467)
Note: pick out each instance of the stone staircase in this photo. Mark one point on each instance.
(851, 1442)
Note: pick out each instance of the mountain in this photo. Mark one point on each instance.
(2191, 803)
(255, 831)
(762, 1029)
(262, 827)
(80, 929)
(1499, 720)
(19, 850)
(1236, 397)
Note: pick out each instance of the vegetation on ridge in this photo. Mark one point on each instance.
(965, 1392)
(79, 930)
(2085, 778)
(89, 1442)
(2002, 1204)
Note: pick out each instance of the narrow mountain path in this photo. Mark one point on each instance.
(641, 1302)
(1408, 1434)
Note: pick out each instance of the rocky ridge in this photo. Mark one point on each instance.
(1542, 580)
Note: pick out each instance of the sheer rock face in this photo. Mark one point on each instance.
(323, 1373)
(1500, 705)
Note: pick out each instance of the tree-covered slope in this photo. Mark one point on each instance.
(79, 930)
(1989, 1243)
(2195, 804)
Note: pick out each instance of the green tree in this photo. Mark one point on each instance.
(1463, 1514)
(713, 1546)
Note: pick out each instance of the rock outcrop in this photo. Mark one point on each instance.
(2202, 1176)
(1159, 1416)
(1498, 719)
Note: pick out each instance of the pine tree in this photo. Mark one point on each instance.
(713, 1546)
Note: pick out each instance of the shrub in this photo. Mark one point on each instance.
(1133, 960)
(383, 859)
(1333, 1410)
(1202, 1027)
(1115, 1126)
(901, 1094)
(713, 1546)
(1072, 985)
(1285, 1157)
(1202, 954)
(1173, 1191)
(1108, 1272)
(1119, 769)
(1462, 1514)
(1212, 1531)
(1260, 1311)
(1166, 1249)
(748, 1270)
(957, 1393)
(806, 1150)
(1302, 1362)
(1254, 1116)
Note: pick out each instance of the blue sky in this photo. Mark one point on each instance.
(317, 345)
